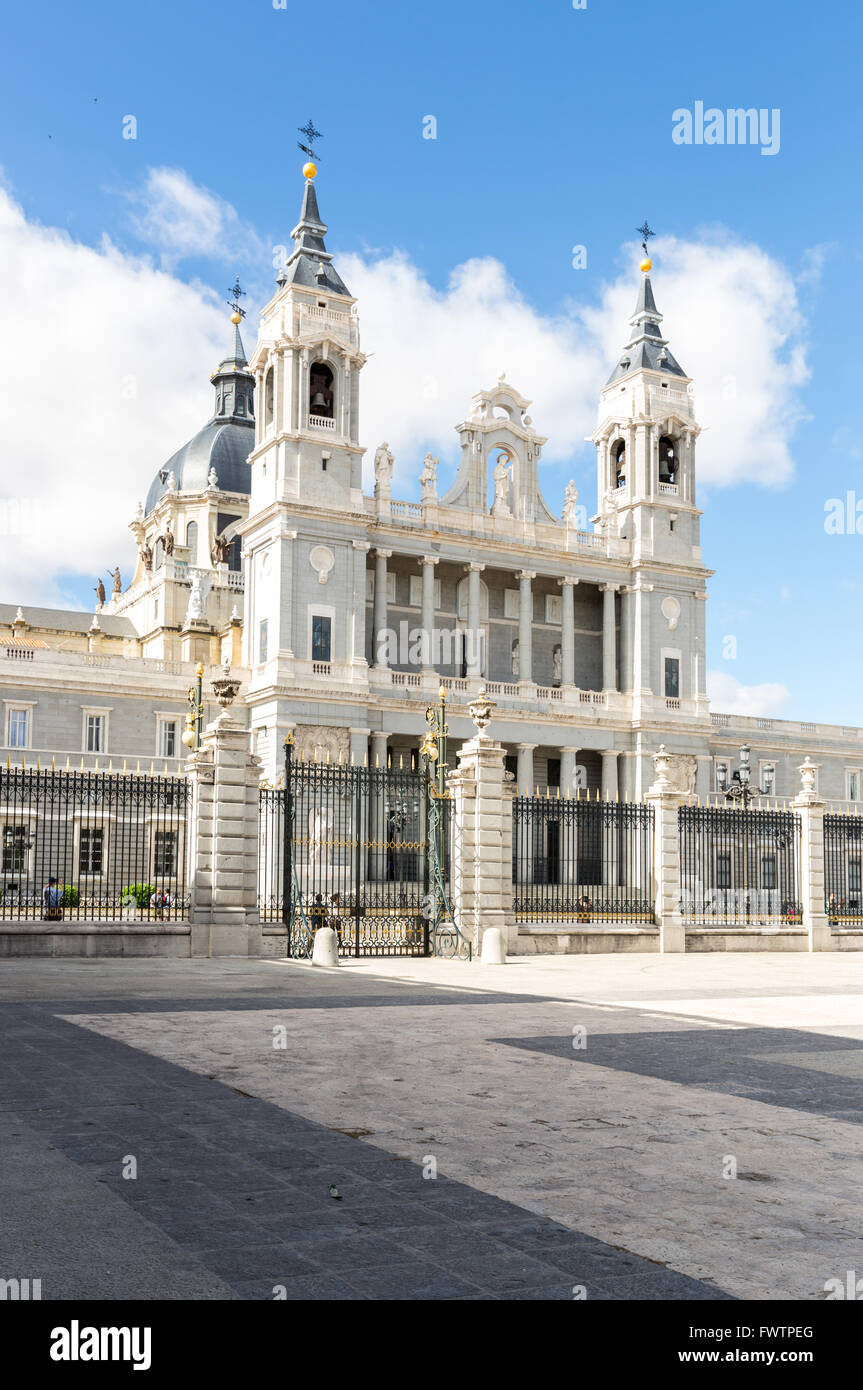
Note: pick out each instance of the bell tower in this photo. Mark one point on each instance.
(645, 442)
(307, 367)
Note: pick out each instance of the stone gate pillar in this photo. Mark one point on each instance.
(666, 801)
(482, 840)
(224, 779)
(809, 808)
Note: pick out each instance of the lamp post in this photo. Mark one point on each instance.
(739, 791)
(195, 718)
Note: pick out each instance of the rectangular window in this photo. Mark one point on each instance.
(19, 728)
(168, 738)
(553, 608)
(854, 881)
(95, 733)
(165, 854)
(262, 640)
(672, 678)
(511, 600)
(853, 779)
(14, 849)
(415, 594)
(90, 852)
(321, 638)
(768, 871)
(723, 869)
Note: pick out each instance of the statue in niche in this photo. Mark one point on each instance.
(168, 540)
(570, 503)
(515, 657)
(428, 478)
(502, 479)
(220, 551)
(147, 556)
(556, 666)
(384, 462)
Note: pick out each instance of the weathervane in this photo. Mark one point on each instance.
(646, 233)
(234, 302)
(311, 135)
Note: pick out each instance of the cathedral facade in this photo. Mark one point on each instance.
(343, 613)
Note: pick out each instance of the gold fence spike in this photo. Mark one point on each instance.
(38, 763)
(138, 769)
(53, 763)
(124, 764)
(152, 768)
(110, 764)
(82, 765)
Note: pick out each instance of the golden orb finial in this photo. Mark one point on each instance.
(236, 317)
(646, 265)
(309, 170)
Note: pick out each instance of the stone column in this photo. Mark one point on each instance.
(809, 808)
(358, 617)
(379, 611)
(524, 773)
(609, 774)
(525, 627)
(482, 858)
(428, 563)
(567, 631)
(609, 638)
(224, 778)
(666, 802)
(379, 749)
(474, 619)
(568, 765)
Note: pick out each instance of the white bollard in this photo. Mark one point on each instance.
(493, 952)
(326, 948)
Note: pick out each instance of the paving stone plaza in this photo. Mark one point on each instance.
(659, 1128)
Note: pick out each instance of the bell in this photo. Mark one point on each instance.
(319, 399)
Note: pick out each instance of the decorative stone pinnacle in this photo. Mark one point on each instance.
(481, 712)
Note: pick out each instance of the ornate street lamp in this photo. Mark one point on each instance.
(195, 718)
(739, 791)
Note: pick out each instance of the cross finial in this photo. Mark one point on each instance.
(646, 233)
(236, 294)
(311, 135)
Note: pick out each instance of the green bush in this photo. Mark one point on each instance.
(69, 895)
(141, 892)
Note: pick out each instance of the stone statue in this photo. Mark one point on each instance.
(428, 478)
(147, 556)
(570, 502)
(117, 583)
(501, 477)
(212, 479)
(197, 610)
(220, 551)
(168, 540)
(515, 657)
(100, 591)
(556, 667)
(383, 470)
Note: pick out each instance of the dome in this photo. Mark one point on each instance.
(226, 440)
(224, 447)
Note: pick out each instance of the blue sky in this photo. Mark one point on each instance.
(553, 129)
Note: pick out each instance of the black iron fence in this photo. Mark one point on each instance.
(843, 857)
(577, 860)
(346, 847)
(739, 866)
(92, 845)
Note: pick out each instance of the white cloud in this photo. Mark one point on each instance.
(730, 313)
(103, 377)
(728, 696)
(182, 219)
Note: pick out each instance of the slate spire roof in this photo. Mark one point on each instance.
(646, 349)
(310, 263)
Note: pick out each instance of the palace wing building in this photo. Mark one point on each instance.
(343, 612)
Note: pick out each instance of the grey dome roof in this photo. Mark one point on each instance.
(219, 445)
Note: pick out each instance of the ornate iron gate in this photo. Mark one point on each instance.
(347, 847)
(739, 866)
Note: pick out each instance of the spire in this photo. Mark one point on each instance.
(310, 263)
(646, 348)
(233, 382)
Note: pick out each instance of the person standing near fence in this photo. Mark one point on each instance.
(52, 910)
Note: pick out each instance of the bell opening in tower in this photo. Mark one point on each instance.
(618, 455)
(321, 390)
(667, 460)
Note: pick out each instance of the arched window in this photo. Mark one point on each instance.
(192, 541)
(159, 554)
(235, 554)
(618, 457)
(667, 460)
(268, 399)
(321, 393)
